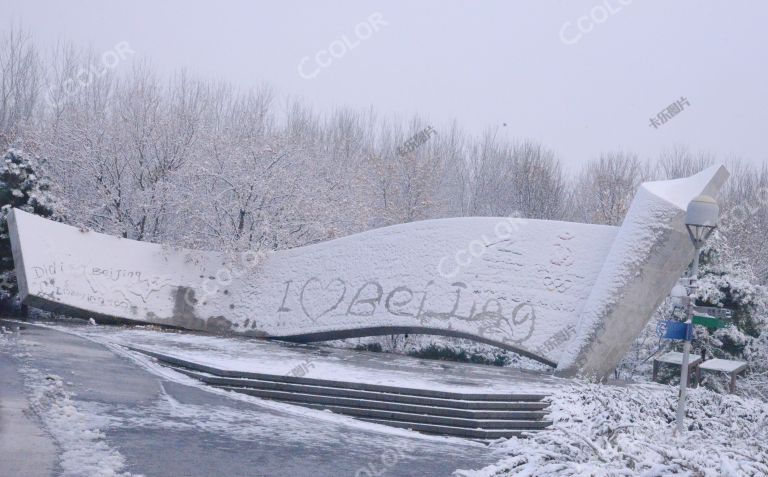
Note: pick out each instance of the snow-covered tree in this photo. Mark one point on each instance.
(21, 186)
(523, 178)
(725, 281)
(605, 188)
(744, 215)
(20, 78)
(729, 282)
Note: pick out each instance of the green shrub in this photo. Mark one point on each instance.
(444, 353)
(375, 347)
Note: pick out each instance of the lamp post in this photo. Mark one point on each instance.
(700, 220)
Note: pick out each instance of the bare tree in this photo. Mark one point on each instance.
(20, 80)
(605, 188)
(744, 215)
(404, 186)
(679, 162)
(523, 179)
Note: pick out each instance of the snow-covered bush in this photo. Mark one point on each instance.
(443, 348)
(21, 186)
(726, 281)
(604, 430)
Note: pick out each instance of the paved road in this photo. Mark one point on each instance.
(25, 448)
(157, 426)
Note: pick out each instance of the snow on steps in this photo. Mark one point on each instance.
(469, 415)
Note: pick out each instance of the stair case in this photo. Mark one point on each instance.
(469, 415)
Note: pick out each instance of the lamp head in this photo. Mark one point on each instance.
(679, 295)
(679, 291)
(701, 219)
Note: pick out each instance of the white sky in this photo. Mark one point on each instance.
(481, 63)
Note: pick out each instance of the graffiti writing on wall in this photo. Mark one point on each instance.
(107, 286)
(315, 299)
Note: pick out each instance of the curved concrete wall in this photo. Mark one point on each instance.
(527, 285)
(513, 283)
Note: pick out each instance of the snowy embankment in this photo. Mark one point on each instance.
(615, 431)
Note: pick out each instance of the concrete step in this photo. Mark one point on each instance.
(367, 395)
(509, 423)
(447, 412)
(470, 415)
(350, 402)
(433, 393)
(484, 434)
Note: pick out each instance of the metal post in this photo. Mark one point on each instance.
(683, 387)
(687, 347)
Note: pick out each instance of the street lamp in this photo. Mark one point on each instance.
(700, 220)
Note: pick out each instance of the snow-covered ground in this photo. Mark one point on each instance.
(83, 449)
(628, 431)
(112, 412)
(599, 430)
(258, 356)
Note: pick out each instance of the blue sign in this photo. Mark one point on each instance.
(674, 330)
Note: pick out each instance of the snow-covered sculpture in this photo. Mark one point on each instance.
(570, 295)
(650, 252)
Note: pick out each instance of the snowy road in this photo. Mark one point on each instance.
(111, 413)
(25, 449)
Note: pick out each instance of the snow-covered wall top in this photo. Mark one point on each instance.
(516, 283)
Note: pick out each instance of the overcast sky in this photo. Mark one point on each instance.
(581, 76)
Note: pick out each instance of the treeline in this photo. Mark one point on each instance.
(203, 164)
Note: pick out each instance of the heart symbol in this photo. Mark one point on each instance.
(315, 298)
